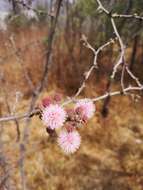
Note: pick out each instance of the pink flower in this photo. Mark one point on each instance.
(85, 107)
(69, 141)
(57, 98)
(53, 116)
(46, 101)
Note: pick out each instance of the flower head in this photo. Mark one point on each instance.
(57, 98)
(69, 141)
(46, 101)
(85, 107)
(71, 114)
(53, 116)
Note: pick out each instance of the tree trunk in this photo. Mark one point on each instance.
(134, 51)
(15, 7)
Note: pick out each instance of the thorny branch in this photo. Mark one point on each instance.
(115, 15)
(37, 92)
(3, 59)
(99, 98)
(122, 46)
(135, 16)
(121, 62)
(95, 64)
(12, 111)
(20, 61)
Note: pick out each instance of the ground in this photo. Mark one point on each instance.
(110, 156)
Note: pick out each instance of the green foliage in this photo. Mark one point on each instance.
(18, 20)
(45, 40)
(138, 6)
(88, 8)
(101, 23)
(41, 13)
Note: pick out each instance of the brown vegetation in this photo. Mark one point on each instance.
(112, 148)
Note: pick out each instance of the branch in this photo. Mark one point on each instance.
(21, 62)
(37, 92)
(99, 98)
(115, 15)
(135, 16)
(49, 48)
(128, 89)
(3, 59)
(121, 60)
(95, 64)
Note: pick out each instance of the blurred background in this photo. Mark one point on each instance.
(111, 153)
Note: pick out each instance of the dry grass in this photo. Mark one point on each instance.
(110, 157)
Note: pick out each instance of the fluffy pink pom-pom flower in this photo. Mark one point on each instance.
(53, 116)
(85, 107)
(69, 141)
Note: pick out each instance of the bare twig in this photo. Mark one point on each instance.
(128, 89)
(20, 61)
(4, 59)
(94, 65)
(4, 164)
(121, 60)
(135, 16)
(37, 92)
(102, 97)
(115, 15)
